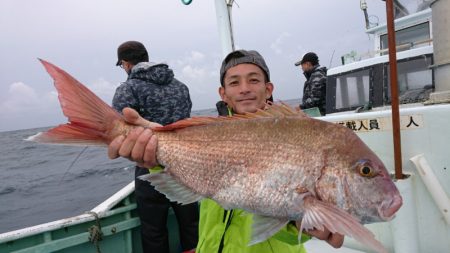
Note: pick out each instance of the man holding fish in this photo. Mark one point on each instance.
(270, 160)
(245, 88)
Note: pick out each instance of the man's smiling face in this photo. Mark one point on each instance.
(245, 88)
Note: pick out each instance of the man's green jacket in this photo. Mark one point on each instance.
(230, 231)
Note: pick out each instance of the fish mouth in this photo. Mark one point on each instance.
(389, 207)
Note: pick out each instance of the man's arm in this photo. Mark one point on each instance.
(124, 97)
(318, 89)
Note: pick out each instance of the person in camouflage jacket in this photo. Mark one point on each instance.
(152, 90)
(314, 90)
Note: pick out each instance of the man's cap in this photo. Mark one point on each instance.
(131, 50)
(309, 57)
(243, 56)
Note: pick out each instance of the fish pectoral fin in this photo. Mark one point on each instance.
(264, 227)
(174, 191)
(319, 214)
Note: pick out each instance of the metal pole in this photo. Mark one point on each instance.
(230, 21)
(363, 6)
(394, 89)
(224, 25)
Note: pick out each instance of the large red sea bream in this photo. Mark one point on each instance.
(278, 164)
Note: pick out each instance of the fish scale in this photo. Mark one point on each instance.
(219, 161)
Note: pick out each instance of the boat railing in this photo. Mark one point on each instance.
(102, 210)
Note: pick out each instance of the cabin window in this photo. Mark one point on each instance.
(371, 85)
(411, 37)
(415, 80)
(352, 89)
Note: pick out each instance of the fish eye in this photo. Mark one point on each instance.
(366, 171)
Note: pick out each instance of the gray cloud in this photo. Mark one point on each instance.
(81, 36)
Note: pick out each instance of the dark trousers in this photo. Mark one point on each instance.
(152, 207)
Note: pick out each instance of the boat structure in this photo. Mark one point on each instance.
(359, 96)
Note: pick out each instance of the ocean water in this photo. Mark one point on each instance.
(37, 186)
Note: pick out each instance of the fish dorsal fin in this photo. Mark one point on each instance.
(174, 191)
(319, 214)
(194, 121)
(272, 111)
(264, 227)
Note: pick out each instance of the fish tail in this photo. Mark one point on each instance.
(91, 121)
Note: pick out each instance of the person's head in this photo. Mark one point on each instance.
(131, 53)
(308, 61)
(245, 81)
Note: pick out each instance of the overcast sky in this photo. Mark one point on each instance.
(81, 37)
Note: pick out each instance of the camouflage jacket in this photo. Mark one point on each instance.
(152, 90)
(315, 89)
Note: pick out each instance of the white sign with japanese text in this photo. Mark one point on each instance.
(407, 122)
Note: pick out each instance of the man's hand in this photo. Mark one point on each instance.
(139, 145)
(335, 240)
(132, 116)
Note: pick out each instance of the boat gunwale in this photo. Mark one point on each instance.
(100, 211)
